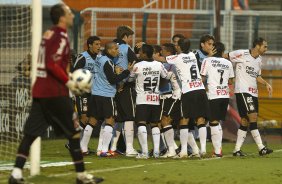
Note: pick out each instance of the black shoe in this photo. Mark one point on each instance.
(13, 180)
(265, 151)
(67, 146)
(89, 179)
(151, 153)
(178, 149)
(239, 154)
(163, 152)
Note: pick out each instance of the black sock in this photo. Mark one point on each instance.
(23, 150)
(76, 155)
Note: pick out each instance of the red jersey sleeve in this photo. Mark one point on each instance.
(56, 57)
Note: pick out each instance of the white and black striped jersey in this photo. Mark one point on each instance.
(248, 69)
(218, 71)
(187, 70)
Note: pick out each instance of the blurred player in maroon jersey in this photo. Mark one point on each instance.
(51, 102)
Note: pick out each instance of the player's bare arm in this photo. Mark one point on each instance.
(267, 85)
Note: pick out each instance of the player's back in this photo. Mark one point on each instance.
(53, 63)
(218, 71)
(187, 70)
(147, 81)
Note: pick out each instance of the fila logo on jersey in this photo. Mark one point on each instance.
(222, 92)
(152, 98)
(253, 90)
(195, 84)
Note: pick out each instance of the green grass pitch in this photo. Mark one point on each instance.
(252, 169)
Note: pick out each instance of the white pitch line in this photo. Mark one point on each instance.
(138, 166)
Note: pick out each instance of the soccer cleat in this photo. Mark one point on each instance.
(13, 180)
(88, 179)
(156, 155)
(142, 156)
(195, 155)
(239, 154)
(98, 153)
(265, 151)
(113, 153)
(181, 155)
(169, 154)
(105, 154)
(132, 153)
(214, 155)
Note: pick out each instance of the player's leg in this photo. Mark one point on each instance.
(126, 113)
(156, 139)
(107, 111)
(241, 100)
(116, 134)
(88, 106)
(253, 107)
(35, 126)
(169, 107)
(142, 114)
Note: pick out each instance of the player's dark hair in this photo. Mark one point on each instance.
(170, 48)
(258, 41)
(157, 49)
(148, 50)
(184, 45)
(206, 38)
(56, 12)
(123, 31)
(91, 40)
(181, 36)
(220, 48)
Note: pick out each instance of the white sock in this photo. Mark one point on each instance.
(142, 137)
(241, 136)
(114, 141)
(107, 137)
(156, 139)
(216, 139)
(184, 140)
(169, 137)
(221, 135)
(192, 143)
(99, 148)
(17, 173)
(86, 138)
(129, 135)
(256, 135)
(203, 138)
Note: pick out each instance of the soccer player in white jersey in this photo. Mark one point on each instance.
(248, 74)
(170, 93)
(194, 98)
(218, 72)
(147, 74)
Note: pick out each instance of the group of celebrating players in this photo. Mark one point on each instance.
(155, 85)
(158, 85)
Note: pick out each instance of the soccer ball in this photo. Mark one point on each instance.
(83, 78)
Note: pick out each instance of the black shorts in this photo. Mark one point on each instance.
(170, 107)
(101, 107)
(195, 104)
(246, 104)
(56, 112)
(125, 102)
(218, 108)
(82, 103)
(147, 113)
